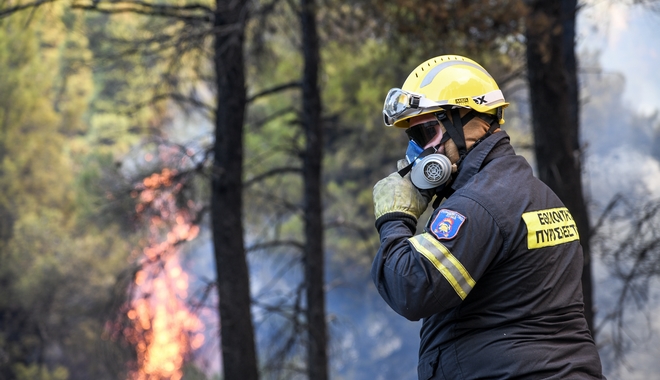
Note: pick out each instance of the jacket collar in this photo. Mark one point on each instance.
(480, 155)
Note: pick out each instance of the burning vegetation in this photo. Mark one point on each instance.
(158, 320)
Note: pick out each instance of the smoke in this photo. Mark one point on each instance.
(622, 32)
(619, 132)
(369, 340)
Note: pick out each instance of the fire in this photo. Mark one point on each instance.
(163, 329)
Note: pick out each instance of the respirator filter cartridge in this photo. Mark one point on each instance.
(431, 171)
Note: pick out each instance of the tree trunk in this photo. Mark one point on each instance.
(317, 362)
(552, 74)
(236, 329)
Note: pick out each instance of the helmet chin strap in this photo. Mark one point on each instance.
(454, 127)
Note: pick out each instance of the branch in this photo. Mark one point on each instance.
(274, 116)
(35, 4)
(279, 275)
(185, 12)
(273, 90)
(178, 98)
(270, 173)
(273, 244)
(196, 305)
(516, 73)
(610, 206)
(365, 233)
(282, 204)
(155, 45)
(289, 338)
(130, 110)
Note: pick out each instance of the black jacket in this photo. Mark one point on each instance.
(495, 276)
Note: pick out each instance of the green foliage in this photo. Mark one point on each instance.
(358, 148)
(131, 72)
(60, 273)
(477, 28)
(37, 372)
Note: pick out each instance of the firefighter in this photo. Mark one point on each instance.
(495, 271)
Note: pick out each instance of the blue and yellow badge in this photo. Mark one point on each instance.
(446, 224)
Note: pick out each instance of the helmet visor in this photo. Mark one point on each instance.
(401, 104)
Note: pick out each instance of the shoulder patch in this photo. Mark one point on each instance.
(446, 224)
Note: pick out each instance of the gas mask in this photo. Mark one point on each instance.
(428, 169)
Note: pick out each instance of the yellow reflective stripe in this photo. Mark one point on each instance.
(443, 260)
(550, 227)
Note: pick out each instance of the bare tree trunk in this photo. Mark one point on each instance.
(317, 361)
(237, 333)
(552, 75)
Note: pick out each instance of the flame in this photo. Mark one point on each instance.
(165, 331)
(162, 328)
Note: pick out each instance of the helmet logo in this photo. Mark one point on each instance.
(461, 100)
(480, 99)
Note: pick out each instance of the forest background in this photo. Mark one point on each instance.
(107, 133)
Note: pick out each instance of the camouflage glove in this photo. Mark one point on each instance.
(396, 197)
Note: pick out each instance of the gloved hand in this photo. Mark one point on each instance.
(396, 194)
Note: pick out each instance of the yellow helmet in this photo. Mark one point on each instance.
(444, 82)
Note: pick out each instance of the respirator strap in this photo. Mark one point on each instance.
(424, 153)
